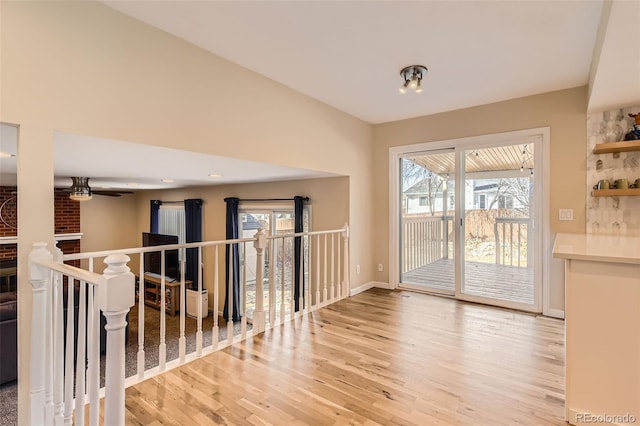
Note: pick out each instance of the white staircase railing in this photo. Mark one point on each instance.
(65, 351)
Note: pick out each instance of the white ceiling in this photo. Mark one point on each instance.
(348, 54)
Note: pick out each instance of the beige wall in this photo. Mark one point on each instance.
(563, 111)
(108, 223)
(81, 67)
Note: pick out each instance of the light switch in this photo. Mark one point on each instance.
(566, 214)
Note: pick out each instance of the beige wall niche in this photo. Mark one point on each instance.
(563, 111)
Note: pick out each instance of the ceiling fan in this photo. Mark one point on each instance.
(81, 191)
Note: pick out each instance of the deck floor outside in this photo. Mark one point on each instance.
(482, 279)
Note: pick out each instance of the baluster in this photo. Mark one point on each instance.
(345, 252)
(325, 275)
(81, 359)
(58, 361)
(199, 298)
(519, 241)
(162, 347)
(338, 268)
(272, 284)
(40, 279)
(316, 268)
(258, 314)
(511, 244)
(182, 341)
(117, 296)
(301, 288)
(214, 332)
(94, 354)
(292, 297)
(333, 264)
(141, 297)
(243, 294)
(230, 297)
(68, 353)
(307, 286)
(283, 311)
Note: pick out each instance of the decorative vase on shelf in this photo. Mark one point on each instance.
(612, 132)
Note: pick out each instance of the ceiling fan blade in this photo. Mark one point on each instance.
(110, 193)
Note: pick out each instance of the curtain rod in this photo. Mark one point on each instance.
(171, 202)
(270, 199)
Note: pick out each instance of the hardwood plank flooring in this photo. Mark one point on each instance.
(482, 279)
(381, 357)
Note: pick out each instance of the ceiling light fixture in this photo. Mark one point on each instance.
(6, 155)
(80, 190)
(215, 175)
(167, 180)
(412, 76)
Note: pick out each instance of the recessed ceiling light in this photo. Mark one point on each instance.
(167, 180)
(132, 184)
(6, 155)
(215, 175)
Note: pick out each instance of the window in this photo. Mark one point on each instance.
(482, 201)
(171, 220)
(505, 202)
(423, 201)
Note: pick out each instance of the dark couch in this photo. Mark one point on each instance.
(9, 332)
(8, 337)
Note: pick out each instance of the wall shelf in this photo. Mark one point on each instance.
(615, 192)
(624, 146)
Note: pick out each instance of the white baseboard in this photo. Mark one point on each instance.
(369, 285)
(554, 313)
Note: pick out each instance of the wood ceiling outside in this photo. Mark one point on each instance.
(480, 160)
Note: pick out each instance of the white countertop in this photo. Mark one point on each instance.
(598, 248)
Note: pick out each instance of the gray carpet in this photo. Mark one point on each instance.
(9, 391)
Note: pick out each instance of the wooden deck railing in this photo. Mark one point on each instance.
(64, 346)
(425, 240)
(512, 241)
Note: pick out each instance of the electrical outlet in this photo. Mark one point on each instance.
(565, 214)
(358, 269)
(380, 267)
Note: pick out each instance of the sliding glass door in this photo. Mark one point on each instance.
(467, 222)
(426, 221)
(498, 240)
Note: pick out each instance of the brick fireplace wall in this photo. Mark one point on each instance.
(67, 221)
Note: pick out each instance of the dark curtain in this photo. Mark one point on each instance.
(154, 227)
(298, 258)
(233, 254)
(193, 234)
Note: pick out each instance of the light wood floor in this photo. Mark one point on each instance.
(482, 279)
(381, 357)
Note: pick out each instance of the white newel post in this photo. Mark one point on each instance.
(258, 315)
(346, 286)
(40, 278)
(116, 296)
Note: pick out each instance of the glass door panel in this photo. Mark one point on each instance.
(498, 245)
(426, 221)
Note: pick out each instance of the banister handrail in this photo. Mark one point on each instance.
(136, 250)
(72, 271)
(113, 293)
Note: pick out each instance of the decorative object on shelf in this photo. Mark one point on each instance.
(9, 212)
(621, 184)
(612, 132)
(635, 133)
(602, 184)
